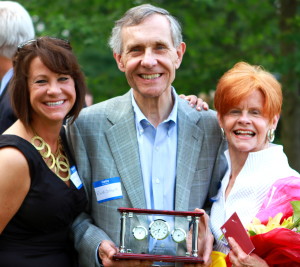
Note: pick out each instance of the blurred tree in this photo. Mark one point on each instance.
(290, 70)
(218, 34)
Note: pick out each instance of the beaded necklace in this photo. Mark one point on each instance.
(56, 162)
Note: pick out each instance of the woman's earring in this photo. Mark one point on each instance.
(223, 134)
(271, 135)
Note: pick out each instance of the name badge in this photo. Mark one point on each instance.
(75, 177)
(108, 189)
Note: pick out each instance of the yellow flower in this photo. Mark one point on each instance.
(274, 222)
(292, 222)
(288, 223)
(256, 227)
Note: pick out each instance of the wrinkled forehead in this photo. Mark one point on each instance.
(155, 28)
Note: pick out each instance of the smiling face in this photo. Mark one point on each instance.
(245, 125)
(149, 58)
(52, 95)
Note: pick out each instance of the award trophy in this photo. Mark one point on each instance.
(139, 226)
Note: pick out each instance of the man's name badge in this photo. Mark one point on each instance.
(108, 189)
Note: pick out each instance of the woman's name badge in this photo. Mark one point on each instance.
(75, 177)
(108, 189)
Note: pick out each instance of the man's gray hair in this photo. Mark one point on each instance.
(135, 16)
(15, 27)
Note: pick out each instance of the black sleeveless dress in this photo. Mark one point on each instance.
(39, 233)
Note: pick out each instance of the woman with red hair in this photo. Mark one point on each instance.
(248, 101)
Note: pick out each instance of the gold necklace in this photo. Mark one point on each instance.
(58, 162)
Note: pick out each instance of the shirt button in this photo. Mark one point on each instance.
(162, 245)
(156, 148)
(157, 181)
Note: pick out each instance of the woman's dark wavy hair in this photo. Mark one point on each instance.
(56, 54)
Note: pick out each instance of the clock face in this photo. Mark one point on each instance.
(159, 229)
(140, 232)
(178, 235)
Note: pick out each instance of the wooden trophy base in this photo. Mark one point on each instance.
(152, 257)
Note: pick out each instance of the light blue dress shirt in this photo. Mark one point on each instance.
(157, 150)
(6, 79)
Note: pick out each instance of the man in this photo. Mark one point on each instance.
(16, 27)
(161, 153)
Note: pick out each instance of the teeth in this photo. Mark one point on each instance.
(150, 76)
(245, 132)
(52, 104)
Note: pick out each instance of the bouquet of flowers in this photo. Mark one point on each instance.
(275, 230)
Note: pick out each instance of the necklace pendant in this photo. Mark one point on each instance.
(58, 164)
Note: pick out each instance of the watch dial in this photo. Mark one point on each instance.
(140, 232)
(159, 229)
(178, 235)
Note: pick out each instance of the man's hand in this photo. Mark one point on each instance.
(194, 101)
(107, 250)
(205, 240)
(239, 258)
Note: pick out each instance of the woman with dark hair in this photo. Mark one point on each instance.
(40, 190)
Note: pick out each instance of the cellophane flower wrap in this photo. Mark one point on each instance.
(274, 231)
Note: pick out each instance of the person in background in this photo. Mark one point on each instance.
(151, 144)
(248, 101)
(16, 27)
(40, 191)
(89, 99)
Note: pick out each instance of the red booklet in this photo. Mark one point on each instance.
(234, 228)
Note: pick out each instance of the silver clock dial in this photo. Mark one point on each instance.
(139, 232)
(178, 235)
(159, 229)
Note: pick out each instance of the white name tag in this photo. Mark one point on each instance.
(75, 177)
(108, 189)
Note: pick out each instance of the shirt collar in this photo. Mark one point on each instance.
(142, 122)
(6, 79)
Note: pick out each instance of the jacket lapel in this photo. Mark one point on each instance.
(188, 149)
(123, 143)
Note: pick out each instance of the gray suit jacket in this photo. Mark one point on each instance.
(7, 115)
(104, 143)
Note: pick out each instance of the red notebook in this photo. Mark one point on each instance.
(234, 228)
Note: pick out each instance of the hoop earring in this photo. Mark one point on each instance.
(271, 135)
(223, 134)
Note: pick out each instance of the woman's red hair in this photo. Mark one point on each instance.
(240, 81)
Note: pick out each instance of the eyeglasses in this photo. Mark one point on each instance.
(65, 42)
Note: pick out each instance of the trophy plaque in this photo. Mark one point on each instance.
(140, 227)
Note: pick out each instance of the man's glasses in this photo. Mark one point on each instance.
(66, 43)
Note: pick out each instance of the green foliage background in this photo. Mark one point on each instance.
(218, 33)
